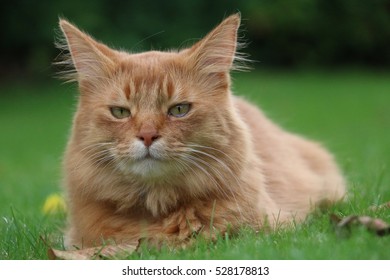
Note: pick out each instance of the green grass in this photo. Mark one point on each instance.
(348, 111)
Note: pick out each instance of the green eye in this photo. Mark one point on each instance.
(179, 110)
(119, 112)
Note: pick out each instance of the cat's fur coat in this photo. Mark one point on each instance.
(160, 149)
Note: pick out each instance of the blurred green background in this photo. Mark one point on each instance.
(280, 33)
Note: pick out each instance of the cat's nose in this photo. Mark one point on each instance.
(148, 135)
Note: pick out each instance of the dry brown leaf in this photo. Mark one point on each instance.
(376, 225)
(379, 226)
(106, 252)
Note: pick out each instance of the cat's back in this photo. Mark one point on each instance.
(293, 166)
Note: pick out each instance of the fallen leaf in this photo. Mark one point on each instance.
(105, 252)
(379, 226)
(344, 225)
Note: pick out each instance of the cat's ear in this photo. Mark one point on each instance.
(90, 59)
(216, 52)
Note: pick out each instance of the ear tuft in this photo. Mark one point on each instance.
(82, 57)
(218, 50)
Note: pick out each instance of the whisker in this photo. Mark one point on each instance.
(209, 176)
(217, 172)
(232, 161)
(95, 153)
(192, 161)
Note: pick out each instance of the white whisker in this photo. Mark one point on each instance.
(225, 177)
(99, 154)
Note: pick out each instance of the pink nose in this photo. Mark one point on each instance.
(148, 135)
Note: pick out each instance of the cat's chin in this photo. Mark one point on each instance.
(147, 168)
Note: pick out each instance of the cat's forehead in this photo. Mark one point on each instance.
(150, 72)
(151, 60)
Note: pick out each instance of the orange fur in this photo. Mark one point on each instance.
(221, 166)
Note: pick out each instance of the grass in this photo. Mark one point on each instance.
(346, 110)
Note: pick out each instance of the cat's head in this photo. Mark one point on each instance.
(155, 113)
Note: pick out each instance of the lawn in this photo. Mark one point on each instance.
(348, 111)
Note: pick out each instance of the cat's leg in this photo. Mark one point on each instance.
(95, 223)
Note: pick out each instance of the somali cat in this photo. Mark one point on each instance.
(161, 150)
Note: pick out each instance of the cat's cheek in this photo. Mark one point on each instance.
(176, 136)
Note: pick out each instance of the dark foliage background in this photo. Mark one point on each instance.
(280, 33)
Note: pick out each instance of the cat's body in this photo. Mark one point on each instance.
(160, 148)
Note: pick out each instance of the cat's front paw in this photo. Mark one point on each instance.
(183, 224)
(175, 231)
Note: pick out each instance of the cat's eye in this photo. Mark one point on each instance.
(120, 112)
(179, 110)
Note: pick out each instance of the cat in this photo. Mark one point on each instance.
(161, 150)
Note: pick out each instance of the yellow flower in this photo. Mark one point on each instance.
(54, 204)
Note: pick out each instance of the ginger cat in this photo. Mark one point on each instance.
(160, 148)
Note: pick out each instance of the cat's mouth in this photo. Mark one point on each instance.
(148, 159)
(149, 156)
(146, 162)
